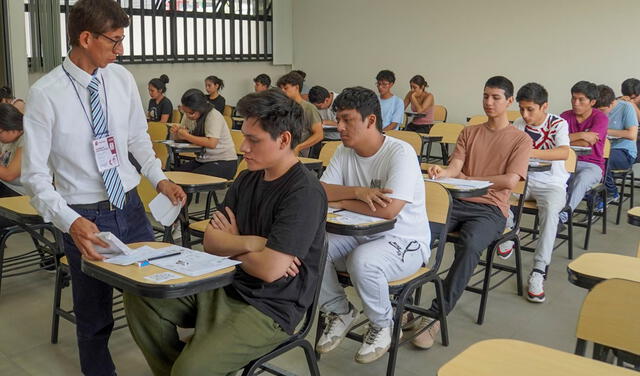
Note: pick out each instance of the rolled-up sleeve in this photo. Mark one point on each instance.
(35, 174)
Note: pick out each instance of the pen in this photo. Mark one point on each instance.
(163, 256)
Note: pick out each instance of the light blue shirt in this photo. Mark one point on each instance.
(622, 117)
(392, 110)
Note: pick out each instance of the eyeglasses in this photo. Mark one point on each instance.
(116, 42)
(383, 84)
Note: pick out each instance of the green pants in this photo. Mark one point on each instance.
(228, 333)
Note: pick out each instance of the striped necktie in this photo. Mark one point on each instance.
(112, 182)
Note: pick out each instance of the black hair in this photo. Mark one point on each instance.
(630, 87)
(95, 16)
(292, 78)
(263, 79)
(419, 80)
(10, 118)
(301, 73)
(386, 75)
(318, 94)
(160, 83)
(216, 81)
(501, 82)
(196, 100)
(6, 92)
(533, 92)
(275, 112)
(606, 96)
(587, 88)
(361, 99)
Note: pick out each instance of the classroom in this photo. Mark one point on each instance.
(299, 187)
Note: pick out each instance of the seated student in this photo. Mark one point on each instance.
(550, 135)
(262, 227)
(213, 85)
(631, 93)
(587, 127)
(493, 151)
(262, 82)
(202, 125)
(623, 124)
(323, 100)
(376, 175)
(421, 102)
(6, 96)
(11, 142)
(160, 107)
(392, 106)
(312, 132)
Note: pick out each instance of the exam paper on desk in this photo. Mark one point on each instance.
(193, 263)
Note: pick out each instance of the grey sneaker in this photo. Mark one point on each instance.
(336, 329)
(425, 339)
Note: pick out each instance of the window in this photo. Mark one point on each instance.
(173, 31)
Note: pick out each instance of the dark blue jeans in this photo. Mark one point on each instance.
(619, 159)
(93, 299)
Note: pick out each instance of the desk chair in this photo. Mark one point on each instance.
(624, 196)
(176, 116)
(477, 119)
(412, 138)
(298, 339)
(237, 138)
(438, 206)
(229, 121)
(449, 133)
(609, 318)
(513, 116)
(228, 110)
(159, 132)
(439, 113)
(327, 151)
(488, 263)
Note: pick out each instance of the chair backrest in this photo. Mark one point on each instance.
(412, 138)
(146, 192)
(513, 115)
(229, 121)
(609, 315)
(570, 162)
(241, 167)
(477, 119)
(176, 116)
(519, 190)
(158, 132)
(228, 110)
(327, 151)
(237, 137)
(439, 113)
(607, 149)
(448, 131)
(438, 205)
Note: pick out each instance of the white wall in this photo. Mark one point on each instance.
(458, 44)
(18, 48)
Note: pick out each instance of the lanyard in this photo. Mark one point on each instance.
(104, 89)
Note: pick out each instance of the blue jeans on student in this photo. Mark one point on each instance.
(619, 159)
(93, 299)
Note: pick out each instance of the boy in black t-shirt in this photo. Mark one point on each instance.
(273, 221)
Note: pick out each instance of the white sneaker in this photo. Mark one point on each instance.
(505, 249)
(375, 344)
(535, 291)
(176, 231)
(336, 329)
(426, 339)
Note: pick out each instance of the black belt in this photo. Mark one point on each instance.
(105, 205)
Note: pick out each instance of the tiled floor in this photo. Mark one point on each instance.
(25, 319)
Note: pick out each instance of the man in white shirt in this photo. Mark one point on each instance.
(323, 100)
(550, 135)
(84, 117)
(379, 176)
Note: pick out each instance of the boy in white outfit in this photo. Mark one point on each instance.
(375, 175)
(550, 135)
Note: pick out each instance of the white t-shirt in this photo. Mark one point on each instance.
(553, 132)
(396, 167)
(327, 113)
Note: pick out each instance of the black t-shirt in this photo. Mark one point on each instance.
(156, 110)
(218, 103)
(290, 212)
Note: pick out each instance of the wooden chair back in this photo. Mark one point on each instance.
(607, 149)
(448, 131)
(176, 116)
(513, 115)
(570, 162)
(412, 138)
(146, 192)
(237, 137)
(438, 204)
(228, 110)
(477, 119)
(158, 132)
(439, 113)
(241, 167)
(327, 151)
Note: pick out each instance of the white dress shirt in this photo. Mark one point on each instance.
(58, 140)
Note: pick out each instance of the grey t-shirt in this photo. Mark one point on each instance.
(215, 126)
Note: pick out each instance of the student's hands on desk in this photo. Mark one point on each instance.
(83, 232)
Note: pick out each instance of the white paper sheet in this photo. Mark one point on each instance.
(163, 210)
(346, 217)
(463, 183)
(116, 246)
(162, 277)
(193, 263)
(140, 254)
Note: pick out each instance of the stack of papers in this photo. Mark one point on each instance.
(346, 217)
(163, 210)
(116, 246)
(138, 255)
(193, 263)
(462, 184)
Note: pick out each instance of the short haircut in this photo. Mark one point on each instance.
(606, 96)
(160, 83)
(6, 92)
(95, 16)
(533, 92)
(291, 78)
(630, 87)
(10, 118)
(587, 88)
(301, 73)
(275, 112)
(216, 81)
(386, 75)
(419, 80)
(361, 99)
(263, 79)
(501, 82)
(318, 94)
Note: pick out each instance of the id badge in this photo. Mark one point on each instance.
(104, 149)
